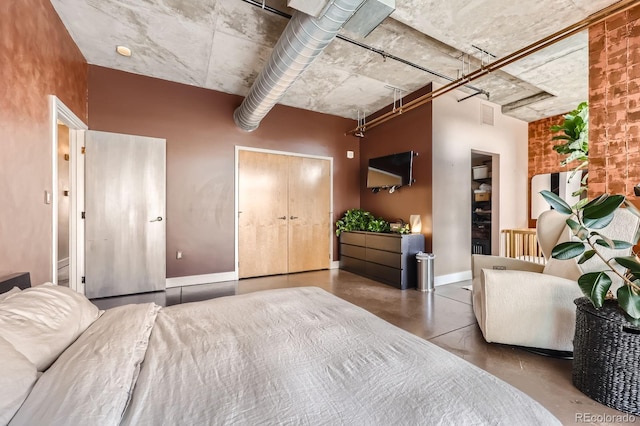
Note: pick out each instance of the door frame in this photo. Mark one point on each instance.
(59, 112)
(239, 148)
(495, 198)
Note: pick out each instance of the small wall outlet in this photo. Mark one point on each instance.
(179, 254)
(349, 154)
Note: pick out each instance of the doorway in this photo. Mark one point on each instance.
(67, 196)
(64, 206)
(284, 205)
(484, 203)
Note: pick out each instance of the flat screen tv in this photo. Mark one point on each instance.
(390, 170)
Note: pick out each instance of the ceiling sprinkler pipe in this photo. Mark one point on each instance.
(303, 39)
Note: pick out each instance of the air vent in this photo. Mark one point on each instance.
(487, 115)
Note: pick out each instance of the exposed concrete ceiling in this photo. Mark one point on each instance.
(223, 44)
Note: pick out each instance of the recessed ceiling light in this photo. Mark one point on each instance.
(123, 50)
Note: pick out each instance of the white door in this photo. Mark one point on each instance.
(125, 234)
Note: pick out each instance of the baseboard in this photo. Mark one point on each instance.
(201, 279)
(452, 278)
(335, 264)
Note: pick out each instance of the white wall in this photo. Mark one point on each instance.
(458, 129)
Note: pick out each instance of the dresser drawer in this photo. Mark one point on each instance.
(352, 238)
(352, 251)
(384, 242)
(386, 258)
(353, 265)
(389, 275)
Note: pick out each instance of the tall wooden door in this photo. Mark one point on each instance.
(309, 213)
(125, 248)
(284, 213)
(263, 214)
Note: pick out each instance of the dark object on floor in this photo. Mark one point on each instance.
(21, 280)
(550, 353)
(606, 352)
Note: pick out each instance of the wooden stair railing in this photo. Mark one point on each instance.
(521, 244)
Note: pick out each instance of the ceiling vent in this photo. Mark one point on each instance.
(370, 14)
(303, 40)
(487, 114)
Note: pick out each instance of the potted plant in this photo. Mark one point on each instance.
(607, 338)
(362, 220)
(353, 220)
(574, 142)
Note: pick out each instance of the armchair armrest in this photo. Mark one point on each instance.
(527, 308)
(480, 262)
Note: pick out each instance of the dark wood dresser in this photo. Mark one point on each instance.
(388, 258)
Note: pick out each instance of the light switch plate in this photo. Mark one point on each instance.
(47, 197)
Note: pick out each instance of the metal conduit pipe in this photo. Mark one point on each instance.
(593, 19)
(303, 39)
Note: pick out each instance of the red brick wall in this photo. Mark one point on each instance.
(542, 158)
(614, 104)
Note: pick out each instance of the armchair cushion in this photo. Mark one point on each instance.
(527, 309)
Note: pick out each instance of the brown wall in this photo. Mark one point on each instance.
(412, 131)
(201, 138)
(37, 58)
(614, 104)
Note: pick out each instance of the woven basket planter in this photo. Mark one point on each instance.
(606, 356)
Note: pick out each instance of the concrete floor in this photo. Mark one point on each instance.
(445, 318)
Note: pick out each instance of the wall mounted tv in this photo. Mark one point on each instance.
(391, 170)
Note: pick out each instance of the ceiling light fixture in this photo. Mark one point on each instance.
(123, 50)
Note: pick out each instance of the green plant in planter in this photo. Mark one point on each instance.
(585, 221)
(353, 220)
(361, 220)
(404, 229)
(378, 225)
(575, 137)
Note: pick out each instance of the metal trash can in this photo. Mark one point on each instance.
(425, 271)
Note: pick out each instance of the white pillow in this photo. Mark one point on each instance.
(6, 294)
(42, 321)
(17, 376)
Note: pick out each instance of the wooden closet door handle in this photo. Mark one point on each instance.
(293, 217)
(282, 218)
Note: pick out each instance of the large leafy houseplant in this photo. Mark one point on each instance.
(586, 220)
(574, 141)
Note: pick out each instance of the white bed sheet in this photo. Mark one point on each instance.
(304, 356)
(91, 382)
(291, 356)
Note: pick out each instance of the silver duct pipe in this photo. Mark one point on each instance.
(303, 39)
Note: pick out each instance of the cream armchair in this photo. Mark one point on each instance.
(528, 304)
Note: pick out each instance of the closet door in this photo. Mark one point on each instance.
(263, 218)
(309, 213)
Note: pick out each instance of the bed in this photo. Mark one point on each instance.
(289, 356)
